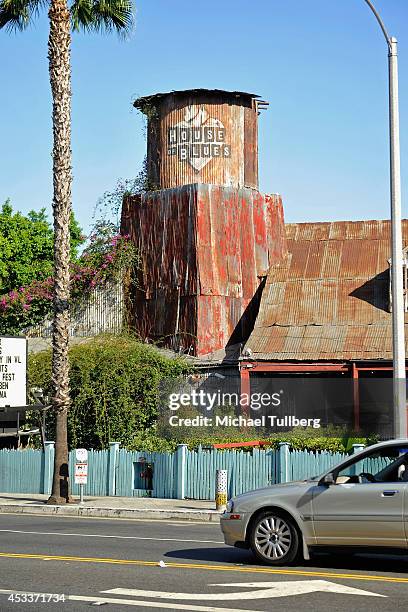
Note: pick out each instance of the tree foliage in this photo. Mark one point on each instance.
(86, 15)
(26, 246)
(114, 389)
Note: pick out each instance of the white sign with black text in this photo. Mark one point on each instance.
(13, 371)
(81, 473)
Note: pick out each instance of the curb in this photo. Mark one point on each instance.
(88, 511)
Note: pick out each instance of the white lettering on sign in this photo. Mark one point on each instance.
(198, 139)
(13, 371)
(81, 473)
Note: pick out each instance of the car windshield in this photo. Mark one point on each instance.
(388, 464)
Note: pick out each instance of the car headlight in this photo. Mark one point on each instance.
(230, 506)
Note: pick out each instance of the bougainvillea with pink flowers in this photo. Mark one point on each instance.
(106, 258)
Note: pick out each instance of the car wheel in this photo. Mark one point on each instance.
(274, 538)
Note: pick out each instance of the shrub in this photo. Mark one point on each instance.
(333, 439)
(114, 390)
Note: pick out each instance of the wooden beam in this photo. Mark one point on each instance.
(356, 398)
(239, 444)
(245, 388)
(295, 367)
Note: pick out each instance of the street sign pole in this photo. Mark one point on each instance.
(397, 284)
(81, 471)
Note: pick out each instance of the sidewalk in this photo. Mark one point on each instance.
(113, 507)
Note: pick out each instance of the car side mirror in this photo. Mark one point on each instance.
(328, 479)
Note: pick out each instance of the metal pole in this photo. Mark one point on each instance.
(81, 493)
(398, 307)
(397, 288)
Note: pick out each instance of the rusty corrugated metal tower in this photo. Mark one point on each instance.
(214, 132)
(205, 234)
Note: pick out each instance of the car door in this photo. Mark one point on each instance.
(406, 511)
(365, 506)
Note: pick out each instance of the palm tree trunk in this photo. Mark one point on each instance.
(60, 78)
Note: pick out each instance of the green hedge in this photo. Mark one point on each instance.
(114, 390)
(327, 440)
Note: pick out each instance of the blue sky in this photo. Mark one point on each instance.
(322, 65)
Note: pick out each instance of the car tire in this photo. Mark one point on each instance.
(274, 538)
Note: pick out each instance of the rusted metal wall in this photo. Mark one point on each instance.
(202, 136)
(204, 250)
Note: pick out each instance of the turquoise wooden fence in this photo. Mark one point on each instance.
(373, 466)
(305, 464)
(130, 466)
(98, 473)
(245, 470)
(21, 471)
(183, 474)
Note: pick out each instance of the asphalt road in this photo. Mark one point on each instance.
(116, 564)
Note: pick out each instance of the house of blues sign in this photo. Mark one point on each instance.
(198, 138)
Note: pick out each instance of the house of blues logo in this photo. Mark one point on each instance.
(198, 139)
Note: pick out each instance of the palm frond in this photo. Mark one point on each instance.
(18, 14)
(103, 15)
(82, 15)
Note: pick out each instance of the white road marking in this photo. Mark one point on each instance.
(266, 590)
(97, 535)
(130, 602)
(319, 585)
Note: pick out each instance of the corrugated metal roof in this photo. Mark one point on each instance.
(329, 297)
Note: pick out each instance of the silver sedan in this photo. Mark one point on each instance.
(361, 502)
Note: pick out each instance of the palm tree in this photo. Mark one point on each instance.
(88, 15)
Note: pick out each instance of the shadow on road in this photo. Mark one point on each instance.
(383, 564)
(362, 562)
(219, 554)
(18, 500)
